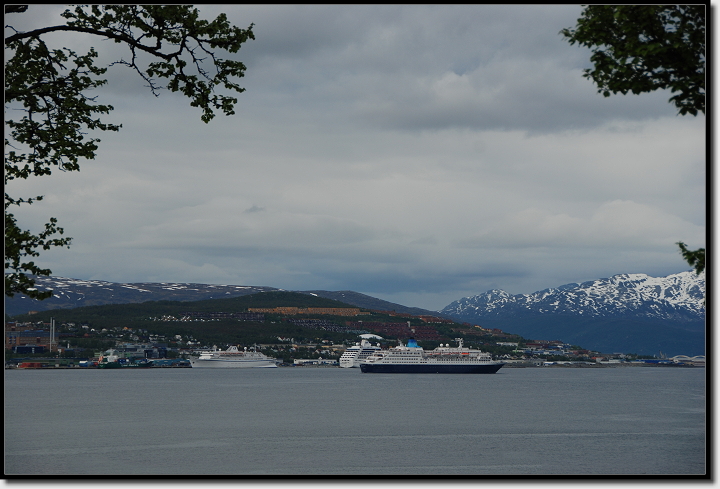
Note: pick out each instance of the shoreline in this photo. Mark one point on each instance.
(517, 365)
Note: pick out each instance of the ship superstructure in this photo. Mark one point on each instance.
(357, 353)
(411, 358)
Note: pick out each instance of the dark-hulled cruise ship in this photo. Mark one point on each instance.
(442, 360)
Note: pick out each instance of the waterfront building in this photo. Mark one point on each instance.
(37, 338)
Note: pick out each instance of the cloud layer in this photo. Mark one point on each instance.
(415, 153)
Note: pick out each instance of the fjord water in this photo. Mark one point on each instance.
(331, 421)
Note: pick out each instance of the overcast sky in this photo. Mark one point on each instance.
(418, 154)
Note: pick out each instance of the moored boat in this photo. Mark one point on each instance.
(357, 353)
(111, 359)
(233, 358)
(444, 359)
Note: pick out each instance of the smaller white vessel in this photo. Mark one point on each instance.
(357, 353)
(233, 358)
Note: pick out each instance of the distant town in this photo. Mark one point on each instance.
(47, 344)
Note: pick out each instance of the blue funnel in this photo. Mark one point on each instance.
(412, 343)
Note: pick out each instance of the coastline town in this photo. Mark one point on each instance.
(41, 344)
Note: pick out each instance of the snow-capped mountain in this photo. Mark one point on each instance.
(631, 313)
(676, 297)
(70, 293)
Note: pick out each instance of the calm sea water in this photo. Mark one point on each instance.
(332, 421)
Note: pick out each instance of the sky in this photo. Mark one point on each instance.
(414, 153)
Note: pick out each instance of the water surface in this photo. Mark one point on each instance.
(332, 421)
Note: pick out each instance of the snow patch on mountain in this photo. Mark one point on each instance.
(70, 293)
(679, 296)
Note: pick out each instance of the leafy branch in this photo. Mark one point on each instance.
(51, 88)
(642, 48)
(695, 258)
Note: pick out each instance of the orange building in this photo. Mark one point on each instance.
(292, 311)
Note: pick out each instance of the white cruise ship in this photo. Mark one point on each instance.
(233, 358)
(357, 353)
(444, 359)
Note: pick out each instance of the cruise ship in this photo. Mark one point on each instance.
(442, 360)
(357, 353)
(233, 358)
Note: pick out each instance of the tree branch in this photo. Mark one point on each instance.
(15, 9)
(120, 37)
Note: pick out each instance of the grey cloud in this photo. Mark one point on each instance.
(443, 67)
(417, 153)
(254, 209)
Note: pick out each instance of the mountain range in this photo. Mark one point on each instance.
(629, 313)
(69, 293)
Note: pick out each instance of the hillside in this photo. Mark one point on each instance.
(70, 293)
(169, 318)
(177, 308)
(228, 321)
(368, 302)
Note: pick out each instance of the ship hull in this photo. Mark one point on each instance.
(126, 365)
(232, 364)
(427, 368)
